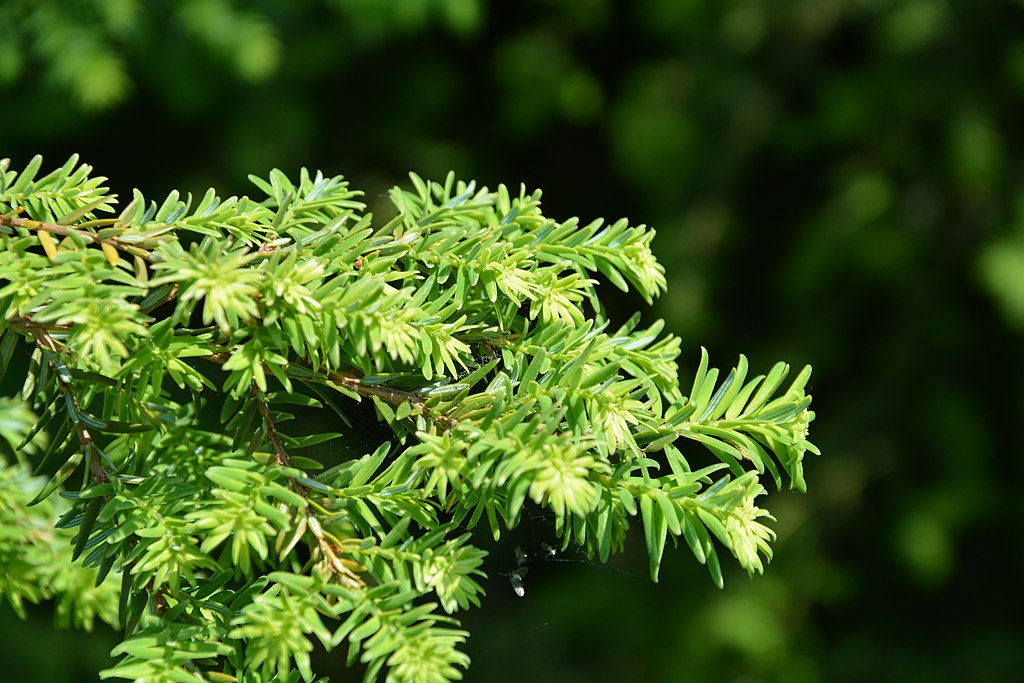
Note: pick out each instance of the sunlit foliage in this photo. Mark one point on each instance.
(169, 345)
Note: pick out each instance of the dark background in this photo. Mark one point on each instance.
(834, 182)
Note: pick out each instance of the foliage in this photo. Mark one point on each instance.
(82, 45)
(172, 343)
(90, 50)
(1000, 266)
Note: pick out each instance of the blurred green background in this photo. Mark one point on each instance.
(835, 182)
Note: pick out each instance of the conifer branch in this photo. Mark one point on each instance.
(471, 322)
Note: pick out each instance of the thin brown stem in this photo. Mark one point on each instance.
(65, 230)
(31, 326)
(333, 559)
(350, 379)
(280, 454)
(395, 397)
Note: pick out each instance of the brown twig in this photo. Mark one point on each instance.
(31, 326)
(350, 379)
(333, 559)
(280, 454)
(394, 397)
(65, 230)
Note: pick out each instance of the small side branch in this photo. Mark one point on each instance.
(332, 555)
(65, 230)
(394, 397)
(280, 454)
(45, 341)
(350, 380)
(32, 326)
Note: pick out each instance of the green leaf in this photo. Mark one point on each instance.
(65, 471)
(299, 442)
(7, 345)
(112, 426)
(655, 532)
(86, 526)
